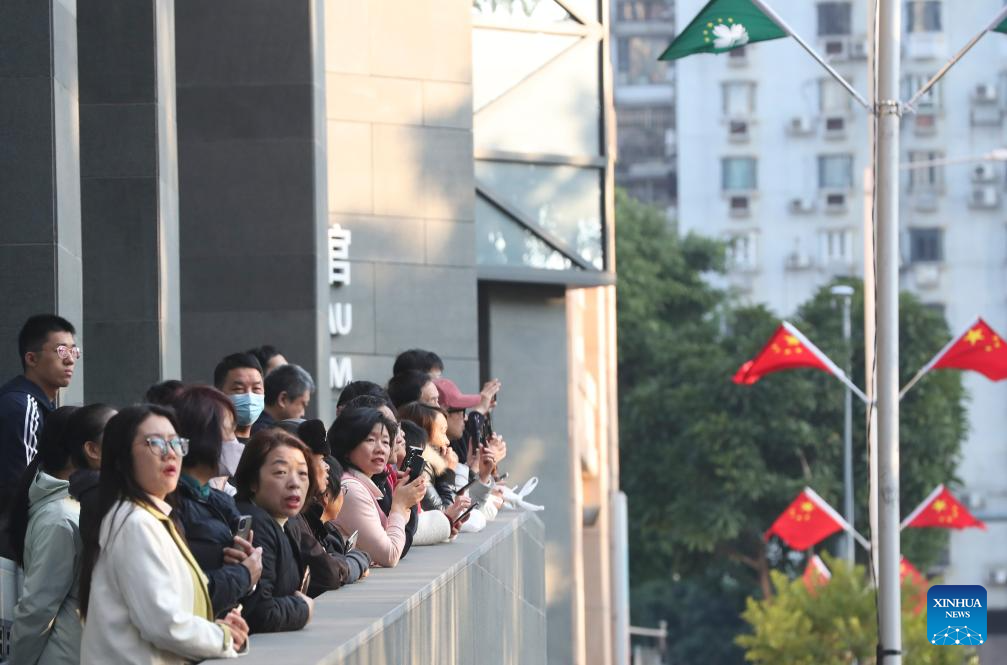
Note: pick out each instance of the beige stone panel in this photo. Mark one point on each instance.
(450, 24)
(450, 243)
(398, 160)
(346, 36)
(400, 38)
(373, 99)
(447, 104)
(384, 239)
(349, 151)
(448, 171)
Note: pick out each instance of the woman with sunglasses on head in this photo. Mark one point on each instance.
(275, 479)
(143, 595)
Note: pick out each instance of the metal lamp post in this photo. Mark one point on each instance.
(845, 294)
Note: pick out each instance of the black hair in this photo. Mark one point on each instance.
(52, 457)
(351, 428)
(164, 393)
(200, 411)
(35, 332)
(370, 401)
(291, 379)
(355, 389)
(335, 474)
(233, 361)
(418, 360)
(86, 424)
(264, 354)
(117, 482)
(312, 433)
(407, 387)
(416, 436)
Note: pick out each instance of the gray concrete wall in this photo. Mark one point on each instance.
(40, 240)
(251, 217)
(477, 601)
(400, 178)
(129, 196)
(526, 331)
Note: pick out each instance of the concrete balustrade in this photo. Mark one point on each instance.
(479, 600)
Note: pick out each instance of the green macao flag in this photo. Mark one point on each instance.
(723, 25)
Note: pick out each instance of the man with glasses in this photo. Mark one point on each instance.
(49, 357)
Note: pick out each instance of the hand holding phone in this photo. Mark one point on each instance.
(305, 581)
(464, 516)
(244, 529)
(351, 542)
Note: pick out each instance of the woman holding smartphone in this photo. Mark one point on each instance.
(143, 596)
(275, 480)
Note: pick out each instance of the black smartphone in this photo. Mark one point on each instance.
(470, 484)
(461, 518)
(414, 462)
(306, 581)
(244, 527)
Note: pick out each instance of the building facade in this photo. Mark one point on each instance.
(345, 180)
(772, 158)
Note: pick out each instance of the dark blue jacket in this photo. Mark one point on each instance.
(23, 409)
(265, 421)
(273, 607)
(209, 524)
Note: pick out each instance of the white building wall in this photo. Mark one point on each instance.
(790, 263)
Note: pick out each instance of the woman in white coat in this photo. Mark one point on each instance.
(143, 596)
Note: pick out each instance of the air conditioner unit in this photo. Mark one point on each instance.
(984, 93)
(835, 202)
(739, 205)
(998, 577)
(800, 125)
(860, 48)
(835, 48)
(737, 57)
(984, 173)
(984, 197)
(802, 206)
(927, 275)
(925, 122)
(799, 261)
(737, 130)
(835, 126)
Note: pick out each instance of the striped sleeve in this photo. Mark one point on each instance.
(29, 436)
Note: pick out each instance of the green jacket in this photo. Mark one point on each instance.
(47, 626)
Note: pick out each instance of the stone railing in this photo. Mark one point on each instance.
(479, 600)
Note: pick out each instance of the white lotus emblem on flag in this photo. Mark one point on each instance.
(729, 36)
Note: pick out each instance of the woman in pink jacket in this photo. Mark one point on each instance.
(360, 441)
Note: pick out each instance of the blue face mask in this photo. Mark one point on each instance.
(249, 407)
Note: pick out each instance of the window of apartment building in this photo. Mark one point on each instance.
(834, 18)
(836, 246)
(737, 174)
(928, 178)
(656, 190)
(833, 99)
(644, 133)
(646, 10)
(923, 16)
(638, 63)
(926, 245)
(913, 82)
(743, 251)
(739, 98)
(835, 172)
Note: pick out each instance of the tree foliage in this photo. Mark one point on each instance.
(708, 465)
(836, 624)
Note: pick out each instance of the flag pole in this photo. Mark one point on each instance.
(775, 18)
(923, 504)
(933, 361)
(833, 367)
(834, 514)
(1001, 15)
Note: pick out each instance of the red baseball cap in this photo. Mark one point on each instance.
(453, 398)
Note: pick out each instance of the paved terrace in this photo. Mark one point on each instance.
(479, 600)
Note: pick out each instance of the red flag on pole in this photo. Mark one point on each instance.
(979, 349)
(816, 574)
(942, 510)
(807, 521)
(908, 573)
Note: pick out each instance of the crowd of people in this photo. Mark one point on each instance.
(170, 530)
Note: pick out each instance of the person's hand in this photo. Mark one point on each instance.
(253, 562)
(451, 457)
(242, 550)
(498, 446)
(367, 571)
(486, 396)
(238, 628)
(407, 495)
(487, 462)
(459, 506)
(309, 602)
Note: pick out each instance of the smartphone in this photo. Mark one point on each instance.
(244, 527)
(305, 581)
(461, 518)
(470, 484)
(503, 477)
(414, 462)
(351, 541)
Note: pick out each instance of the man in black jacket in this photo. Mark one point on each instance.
(48, 357)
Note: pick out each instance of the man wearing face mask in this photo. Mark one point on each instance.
(239, 376)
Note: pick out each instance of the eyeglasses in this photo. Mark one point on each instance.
(64, 352)
(160, 446)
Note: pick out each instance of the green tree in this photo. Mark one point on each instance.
(708, 465)
(836, 624)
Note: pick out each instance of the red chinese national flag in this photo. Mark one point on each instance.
(979, 349)
(806, 522)
(787, 349)
(942, 510)
(816, 574)
(909, 573)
